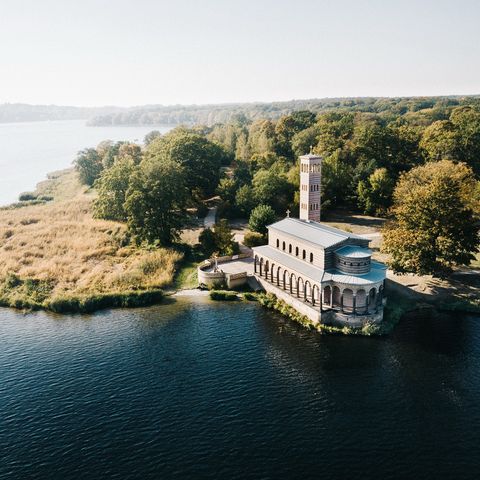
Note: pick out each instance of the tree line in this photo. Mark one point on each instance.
(227, 113)
(253, 167)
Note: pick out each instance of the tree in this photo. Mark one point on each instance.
(130, 151)
(108, 152)
(200, 158)
(225, 239)
(260, 217)
(336, 180)
(262, 138)
(467, 122)
(219, 241)
(304, 140)
(227, 189)
(334, 129)
(244, 199)
(151, 136)
(155, 201)
(88, 165)
(289, 125)
(271, 187)
(435, 209)
(207, 241)
(441, 140)
(375, 194)
(112, 189)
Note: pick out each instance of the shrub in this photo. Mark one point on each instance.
(207, 241)
(223, 295)
(88, 304)
(250, 296)
(260, 217)
(26, 196)
(12, 281)
(254, 239)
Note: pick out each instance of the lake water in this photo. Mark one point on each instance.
(31, 150)
(197, 390)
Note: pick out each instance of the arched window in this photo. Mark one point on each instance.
(311, 257)
(283, 246)
(289, 248)
(304, 254)
(296, 251)
(278, 243)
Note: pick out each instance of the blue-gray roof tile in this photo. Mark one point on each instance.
(313, 232)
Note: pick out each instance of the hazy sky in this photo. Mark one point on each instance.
(125, 52)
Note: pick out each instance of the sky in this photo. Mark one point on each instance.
(126, 53)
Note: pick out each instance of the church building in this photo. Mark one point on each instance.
(325, 273)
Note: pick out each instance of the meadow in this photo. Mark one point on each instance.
(55, 255)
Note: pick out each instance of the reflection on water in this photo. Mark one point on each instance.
(201, 389)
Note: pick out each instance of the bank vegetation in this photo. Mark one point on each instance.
(57, 256)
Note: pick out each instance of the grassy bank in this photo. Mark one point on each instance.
(56, 256)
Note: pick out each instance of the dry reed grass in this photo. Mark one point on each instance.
(62, 248)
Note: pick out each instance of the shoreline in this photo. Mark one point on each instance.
(28, 262)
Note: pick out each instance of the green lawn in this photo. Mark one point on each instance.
(186, 276)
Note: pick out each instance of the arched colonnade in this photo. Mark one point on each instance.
(347, 299)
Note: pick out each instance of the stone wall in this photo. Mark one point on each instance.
(312, 313)
(217, 279)
(328, 317)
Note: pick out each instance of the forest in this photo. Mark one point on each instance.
(233, 112)
(252, 167)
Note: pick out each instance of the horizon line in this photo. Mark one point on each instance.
(251, 102)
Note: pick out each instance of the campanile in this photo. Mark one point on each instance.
(310, 185)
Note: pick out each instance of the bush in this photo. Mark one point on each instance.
(254, 239)
(260, 217)
(224, 295)
(207, 241)
(250, 296)
(88, 304)
(27, 196)
(45, 198)
(220, 240)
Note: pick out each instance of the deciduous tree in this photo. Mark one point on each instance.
(435, 225)
(155, 201)
(260, 217)
(88, 165)
(112, 188)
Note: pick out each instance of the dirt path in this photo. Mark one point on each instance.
(209, 220)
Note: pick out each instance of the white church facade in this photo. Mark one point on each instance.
(325, 273)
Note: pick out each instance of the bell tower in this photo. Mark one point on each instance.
(310, 185)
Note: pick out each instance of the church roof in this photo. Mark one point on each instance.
(313, 232)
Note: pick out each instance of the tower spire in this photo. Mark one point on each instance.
(310, 186)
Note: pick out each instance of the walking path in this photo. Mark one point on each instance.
(209, 220)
